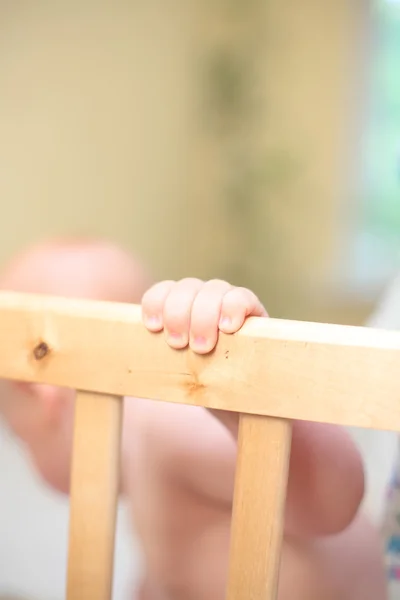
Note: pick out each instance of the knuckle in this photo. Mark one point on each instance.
(190, 281)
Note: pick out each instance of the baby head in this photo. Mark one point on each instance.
(77, 267)
(41, 415)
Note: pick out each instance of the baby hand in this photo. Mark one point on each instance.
(192, 312)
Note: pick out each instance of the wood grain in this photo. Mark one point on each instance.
(258, 508)
(94, 494)
(327, 373)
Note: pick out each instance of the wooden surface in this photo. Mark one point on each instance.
(258, 508)
(337, 374)
(94, 493)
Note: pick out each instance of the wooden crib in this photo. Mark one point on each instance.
(270, 372)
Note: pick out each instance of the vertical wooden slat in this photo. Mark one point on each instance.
(94, 496)
(258, 509)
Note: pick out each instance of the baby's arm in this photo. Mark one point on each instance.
(326, 482)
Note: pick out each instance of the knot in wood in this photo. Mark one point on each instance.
(41, 350)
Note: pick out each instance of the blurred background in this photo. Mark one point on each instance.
(250, 140)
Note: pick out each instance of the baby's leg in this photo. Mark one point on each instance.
(348, 566)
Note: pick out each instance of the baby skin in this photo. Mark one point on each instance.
(178, 462)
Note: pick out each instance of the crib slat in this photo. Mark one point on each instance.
(94, 495)
(258, 509)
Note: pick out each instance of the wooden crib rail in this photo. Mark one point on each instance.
(324, 373)
(271, 372)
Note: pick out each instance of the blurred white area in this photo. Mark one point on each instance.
(34, 534)
(379, 448)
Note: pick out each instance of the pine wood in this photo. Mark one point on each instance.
(94, 494)
(327, 373)
(258, 508)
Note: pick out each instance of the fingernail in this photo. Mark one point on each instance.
(200, 342)
(152, 321)
(225, 323)
(176, 340)
(174, 336)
